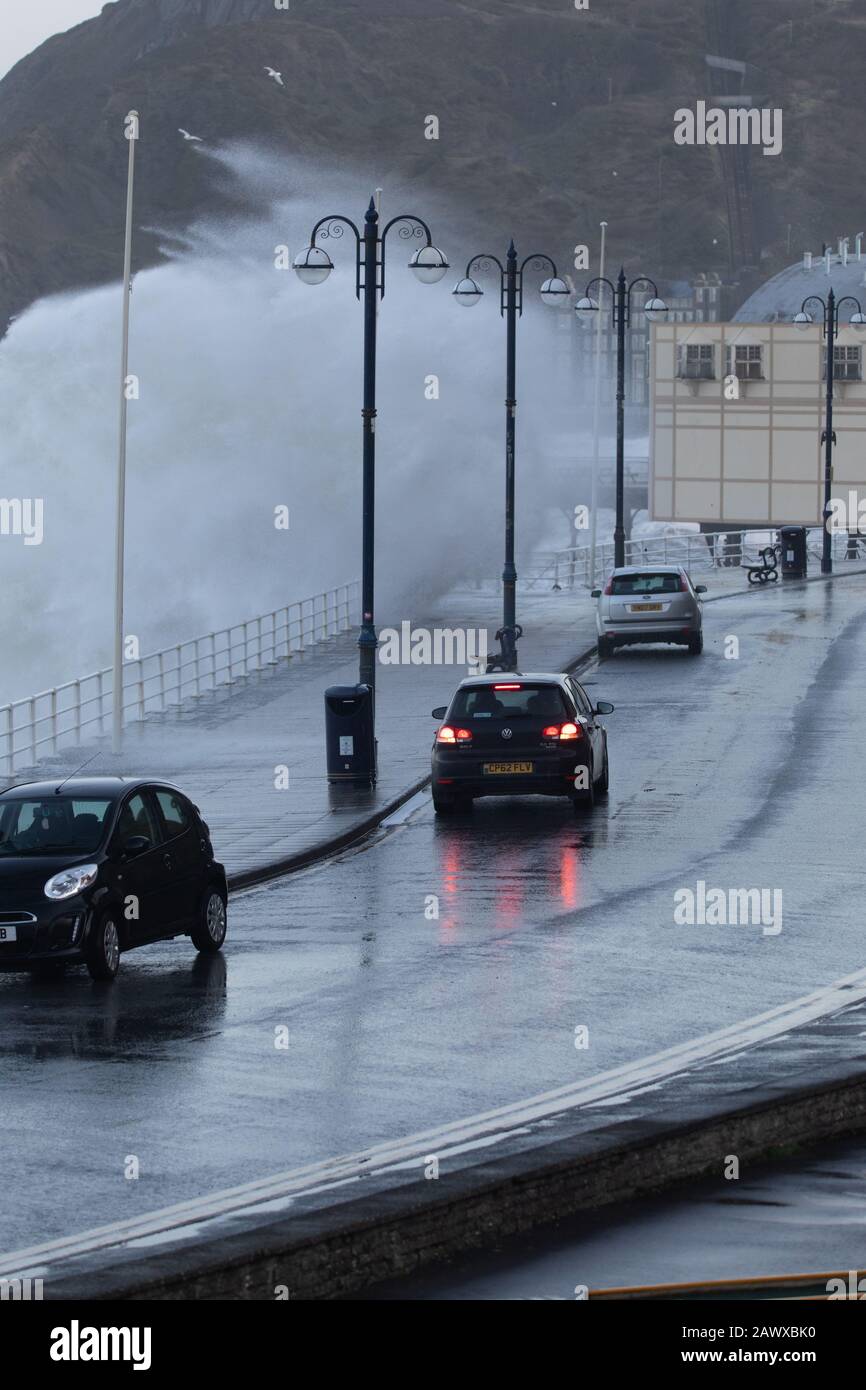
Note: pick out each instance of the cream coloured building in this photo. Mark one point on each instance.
(736, 416)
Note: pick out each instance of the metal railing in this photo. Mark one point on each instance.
(41, 724)
(570, 568)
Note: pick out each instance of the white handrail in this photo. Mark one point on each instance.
(42, 723)
(694, 550)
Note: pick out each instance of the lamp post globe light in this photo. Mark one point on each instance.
(830, 314)
(554, 292)
(654, 308)
(313, 265)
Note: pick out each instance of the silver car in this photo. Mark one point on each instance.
(649, 603)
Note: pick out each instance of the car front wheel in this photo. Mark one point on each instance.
(210, 933)
(103, 949)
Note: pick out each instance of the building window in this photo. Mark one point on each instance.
(847, 363)
(745, 361)
(638, 380)
(697, 362)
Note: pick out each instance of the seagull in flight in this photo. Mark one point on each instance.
(186, 135)
(277, 76)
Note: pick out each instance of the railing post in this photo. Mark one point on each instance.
(8, 742)
(54, 720)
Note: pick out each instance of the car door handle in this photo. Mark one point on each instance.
(168, 861)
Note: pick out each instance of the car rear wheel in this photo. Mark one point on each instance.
(210, 933)
(103, 949)
(696, 644)
(605, 647)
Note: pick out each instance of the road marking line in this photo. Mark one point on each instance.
(460, 1136)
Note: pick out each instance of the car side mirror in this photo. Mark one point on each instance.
(596, 593)
(440, 711)
(700, 588)
(604, 707)
(135, 845)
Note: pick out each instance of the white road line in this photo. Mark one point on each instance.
(460, 1136)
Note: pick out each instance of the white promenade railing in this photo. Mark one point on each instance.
(565, 569)
(40, 724)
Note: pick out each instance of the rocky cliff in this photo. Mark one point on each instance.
(550, 118)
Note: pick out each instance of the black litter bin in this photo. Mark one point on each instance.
(794, 557)
(349, 737)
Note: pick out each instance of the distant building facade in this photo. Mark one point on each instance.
(736, 418)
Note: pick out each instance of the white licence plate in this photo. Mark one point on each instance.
(8, 934)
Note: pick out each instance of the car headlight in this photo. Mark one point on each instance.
(71, 881)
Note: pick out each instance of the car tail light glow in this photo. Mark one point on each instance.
(608, 588)
(684, 587)
(563, 731)
(448, 735)
(508, 687)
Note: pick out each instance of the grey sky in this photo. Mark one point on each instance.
(24, 24)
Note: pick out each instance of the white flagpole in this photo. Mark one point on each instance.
(593, 510)
(132, 128)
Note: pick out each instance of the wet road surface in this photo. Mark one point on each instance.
(344, 1013)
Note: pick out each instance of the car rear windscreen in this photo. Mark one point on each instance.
(645, 584)
(528, 701)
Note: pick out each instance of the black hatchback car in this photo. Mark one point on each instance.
(508, 735)
(93, 867)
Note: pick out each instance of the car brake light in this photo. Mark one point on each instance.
(562, 731)
(448, 735)
(684, 587)
(608, 588)
(508, 687)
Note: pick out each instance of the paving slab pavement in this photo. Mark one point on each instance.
(228, 747)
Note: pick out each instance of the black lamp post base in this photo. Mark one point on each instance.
(506, 658)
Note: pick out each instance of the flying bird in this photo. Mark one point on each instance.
(277, 76)
(186, 135)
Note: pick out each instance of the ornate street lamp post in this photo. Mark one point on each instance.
(653, 308)
(314, 265)
(467, 291)
(830, 313)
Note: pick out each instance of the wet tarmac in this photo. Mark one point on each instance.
(346, 1011)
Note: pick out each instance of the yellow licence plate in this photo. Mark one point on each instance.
(507, 767)
(646, 608)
